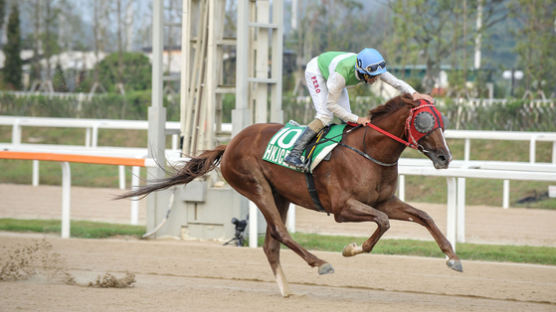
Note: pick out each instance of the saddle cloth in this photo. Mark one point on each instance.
(282, 143)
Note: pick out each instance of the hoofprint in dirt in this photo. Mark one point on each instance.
(203, 276)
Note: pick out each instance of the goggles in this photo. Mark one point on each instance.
(373, 67)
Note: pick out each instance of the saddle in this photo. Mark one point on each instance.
(316, 151)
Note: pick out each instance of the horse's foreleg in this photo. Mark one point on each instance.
(356, 211)
(398, 210)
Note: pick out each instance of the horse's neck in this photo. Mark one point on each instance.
(394, 124)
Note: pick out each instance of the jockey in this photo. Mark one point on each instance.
(327, 77)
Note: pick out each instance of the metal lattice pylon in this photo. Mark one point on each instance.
(202, 73)
(257, 35)
(258, 68)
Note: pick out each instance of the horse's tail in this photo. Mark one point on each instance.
(195, 167)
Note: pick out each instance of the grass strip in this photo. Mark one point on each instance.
(466, 251)
(78, 229)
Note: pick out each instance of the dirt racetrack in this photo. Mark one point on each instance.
(204, 276)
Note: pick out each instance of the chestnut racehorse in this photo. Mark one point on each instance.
(350, 186)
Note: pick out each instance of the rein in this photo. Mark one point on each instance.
(367, 156)
(411, 142)
(390, 135)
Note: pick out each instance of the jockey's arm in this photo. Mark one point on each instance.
(336, 84)
(403, 87)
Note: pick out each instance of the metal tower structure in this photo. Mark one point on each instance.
(157, 120)
(257, 35)
(202, 86)
(258, 68)
(197, 209)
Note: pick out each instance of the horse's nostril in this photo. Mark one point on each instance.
(442, 158)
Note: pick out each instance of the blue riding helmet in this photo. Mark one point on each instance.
(370, 62)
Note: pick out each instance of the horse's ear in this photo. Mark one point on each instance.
(408, 99)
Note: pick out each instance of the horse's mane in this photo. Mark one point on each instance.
(391, 106)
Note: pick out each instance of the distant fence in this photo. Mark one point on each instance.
(500, 114)
(473, 113)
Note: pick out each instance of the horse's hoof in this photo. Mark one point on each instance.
(326, 269)
(351, 250)
(454, 265)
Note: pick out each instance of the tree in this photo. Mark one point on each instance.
(101, 20)
(535, 43)
(341, 25)
(440, 31)
(12, 51)
(50, 40)
(59, 81)
(35, 74)
(136, 71)
(2, 15)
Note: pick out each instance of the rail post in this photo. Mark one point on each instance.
(451, 212)
(460, 215)
(506, 195)
(135, 175)
(87, 137)
(35, 173)
(66, 198)
(532, 149)
(252, 225)
(401, 187)
(121, 175)
(467, 150)
(290, 220)
(16, 132)
(95, 136)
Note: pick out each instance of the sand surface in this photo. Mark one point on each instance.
(205, 276)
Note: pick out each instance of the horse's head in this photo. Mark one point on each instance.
(419, 124)
(424, 130)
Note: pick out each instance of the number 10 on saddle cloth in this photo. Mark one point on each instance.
(282, 142)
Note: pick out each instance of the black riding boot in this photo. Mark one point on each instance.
(294, 157)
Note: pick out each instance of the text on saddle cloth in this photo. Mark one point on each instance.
(283, 141)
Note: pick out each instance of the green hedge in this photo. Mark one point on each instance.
(515, 115)
(133, 105)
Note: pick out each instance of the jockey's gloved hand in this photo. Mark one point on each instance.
(421, 96)
(363, 120)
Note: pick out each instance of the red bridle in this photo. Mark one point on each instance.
(411, 132)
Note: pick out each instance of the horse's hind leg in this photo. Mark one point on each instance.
(256, 188)
(398, 210)
(271, 248)
(277, 230)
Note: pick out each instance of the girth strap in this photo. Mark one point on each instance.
(313, 191)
